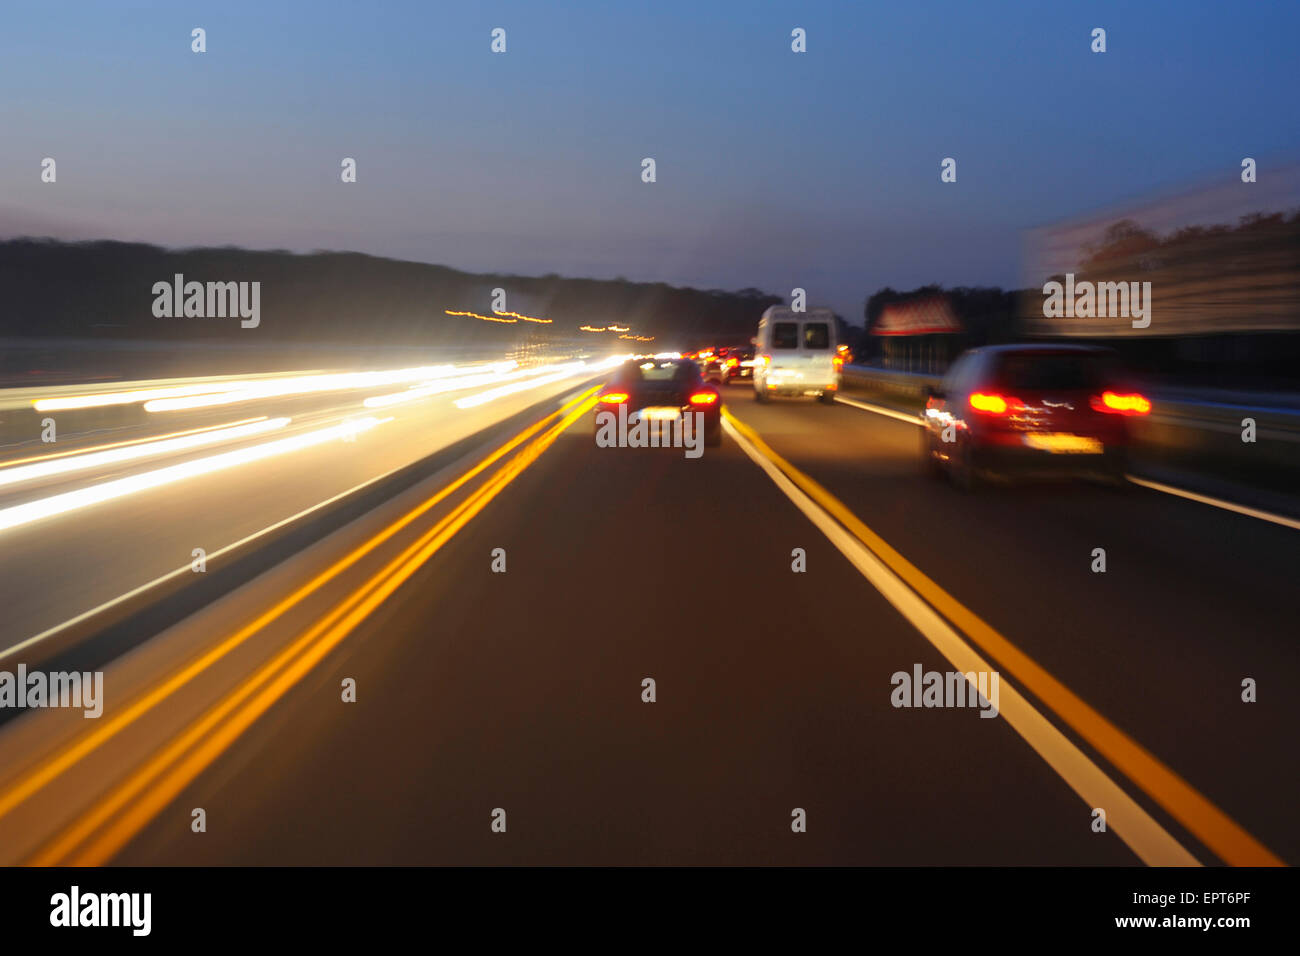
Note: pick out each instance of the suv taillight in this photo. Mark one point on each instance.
(1117, 404)
(990, 403)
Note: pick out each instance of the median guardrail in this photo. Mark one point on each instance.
(910, 384)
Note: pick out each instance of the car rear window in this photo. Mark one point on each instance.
(816, 335)
(785, 335)
(655, 371)
(1046, 371)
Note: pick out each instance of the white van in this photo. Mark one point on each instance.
(796, 353)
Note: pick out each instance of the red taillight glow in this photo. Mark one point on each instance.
(732, 363)
(838, 362)
(765, 360)
(704, 398)
(1131, 404)
(993, 404)
(614, 398)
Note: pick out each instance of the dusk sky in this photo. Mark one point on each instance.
(775, 169)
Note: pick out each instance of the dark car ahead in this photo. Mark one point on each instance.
(1031, 410)
(727, 364)
(738, 365)
(664, 390)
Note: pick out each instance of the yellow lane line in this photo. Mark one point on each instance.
(1200, 816)
(68, 755)
(150, 788)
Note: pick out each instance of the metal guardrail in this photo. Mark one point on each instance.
(912, 384)
(1271, 423)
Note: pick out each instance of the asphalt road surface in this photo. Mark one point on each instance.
(499, 716)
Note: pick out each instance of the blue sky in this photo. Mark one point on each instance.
(775, 169)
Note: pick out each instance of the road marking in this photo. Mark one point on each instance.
(880, 410)
(1217, 502)
(66, 756)
(1144, 482)
(889, 571)
(187, 569)
(100, 833)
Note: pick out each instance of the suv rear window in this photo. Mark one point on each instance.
(1046, 371)
(816, 335)
(785, 335)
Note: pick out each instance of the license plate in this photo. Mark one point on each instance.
(1063, 443)
(658, 413)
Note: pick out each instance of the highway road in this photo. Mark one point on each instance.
(63, 567)
(771, 589)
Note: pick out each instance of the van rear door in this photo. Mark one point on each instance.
(804, 351)
(817, 345)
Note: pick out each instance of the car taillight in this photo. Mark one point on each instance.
(614, 398)
(765, 360)
(992, 404)
(732, 363)
(1116, 404)
(704, 398)
(838, 362)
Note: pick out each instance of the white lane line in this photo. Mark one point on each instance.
(1145, 483)
(1217, 503)
(1154, 845)
(187, 569)
(880, 410)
